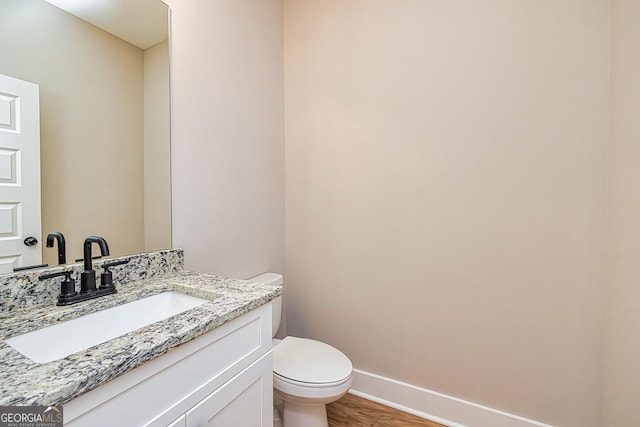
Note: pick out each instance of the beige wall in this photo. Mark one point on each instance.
(445, 186)
(91, 121)
(227, 149)
(157, 149)
(622, 344)
(446, 195)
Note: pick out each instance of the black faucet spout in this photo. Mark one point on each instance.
(104, 250)
(62, 249)
(88, 276)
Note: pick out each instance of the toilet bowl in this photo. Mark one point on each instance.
(307, 374)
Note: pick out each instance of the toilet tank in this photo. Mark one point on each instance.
(276, 303)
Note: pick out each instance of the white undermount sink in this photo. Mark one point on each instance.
(60, 340)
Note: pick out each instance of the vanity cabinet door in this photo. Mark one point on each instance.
(180, 422)
(246, 400)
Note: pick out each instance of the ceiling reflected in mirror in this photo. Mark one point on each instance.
(142, 23)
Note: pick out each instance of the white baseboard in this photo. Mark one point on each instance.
(431, 405)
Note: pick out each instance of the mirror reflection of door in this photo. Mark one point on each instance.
(20, 229)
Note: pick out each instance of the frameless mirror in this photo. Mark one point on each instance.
(102, 67)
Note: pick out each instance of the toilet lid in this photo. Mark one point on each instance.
(308, 361)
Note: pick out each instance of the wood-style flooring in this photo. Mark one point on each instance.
(354, 411)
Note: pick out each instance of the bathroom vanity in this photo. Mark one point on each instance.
(209, 365)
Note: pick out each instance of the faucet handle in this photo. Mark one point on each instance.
(110, 264)
(67, 286)
(106, 278)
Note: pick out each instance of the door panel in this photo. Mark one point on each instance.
(246, 400)
(19, 173)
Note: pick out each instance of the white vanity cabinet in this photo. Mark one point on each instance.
(222, 378)
(180, 422)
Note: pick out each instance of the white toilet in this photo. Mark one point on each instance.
(307, 374)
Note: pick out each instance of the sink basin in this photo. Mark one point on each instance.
(61, 340)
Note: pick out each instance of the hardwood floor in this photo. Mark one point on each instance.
(354, 411)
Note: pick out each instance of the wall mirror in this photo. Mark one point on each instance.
(102, 67)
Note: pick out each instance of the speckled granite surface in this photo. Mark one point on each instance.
(24, 382)
(24, 289)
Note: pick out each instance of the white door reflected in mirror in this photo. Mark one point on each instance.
(19, 174)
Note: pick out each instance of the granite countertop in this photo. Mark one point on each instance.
(24, 382)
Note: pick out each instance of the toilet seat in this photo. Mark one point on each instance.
(289, 381)
(303, 362)
(305, 394)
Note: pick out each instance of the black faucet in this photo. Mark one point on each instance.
(62, 250)
(88, 289)
(88, 276)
